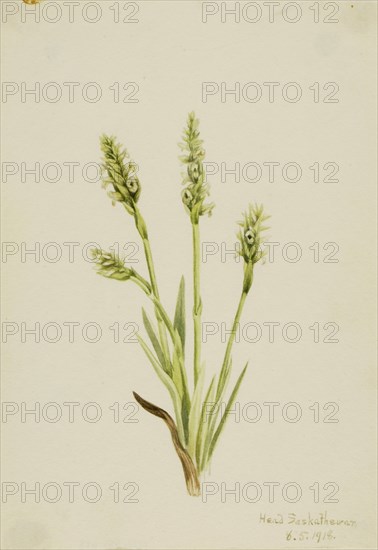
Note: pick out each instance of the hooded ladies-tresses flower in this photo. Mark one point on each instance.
(120, 173)
(251, 239)
(196, 191)
(250, 236)
(109, 265)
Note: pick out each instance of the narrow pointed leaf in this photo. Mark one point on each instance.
(176, 372)
(224, 378)
(181, 382)
(204, 426)
(210, 428)
(195, 413)
(155, 342)
(179, 320)
(225, 415)
(185, 414)
(168, 384)
(178, 365)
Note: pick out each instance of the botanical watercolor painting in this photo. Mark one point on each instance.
(188, 274)
(194, 433)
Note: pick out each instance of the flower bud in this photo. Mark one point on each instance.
(109, 265)
(249, 236)
(132, 185)
(193, 172)
(187, 197)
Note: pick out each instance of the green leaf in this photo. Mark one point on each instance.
(163, 315)
(179, 320)
(223, 379)
(155, 342)
(202, 425)
(180, 380)
(176, 370)
(185, 414)
(224, 417)
(216, 398)
(195, 413)
(168, 384)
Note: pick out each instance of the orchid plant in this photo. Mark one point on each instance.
(195, 433)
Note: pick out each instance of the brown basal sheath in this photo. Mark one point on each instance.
(190, 472)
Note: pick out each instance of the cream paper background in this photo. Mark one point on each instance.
(169, 53)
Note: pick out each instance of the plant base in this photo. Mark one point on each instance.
(191, 477)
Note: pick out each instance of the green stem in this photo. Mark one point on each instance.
(230, 342)
(151, 270)
(141, 282)
(142, 230)
(224, 373)
(197, 307)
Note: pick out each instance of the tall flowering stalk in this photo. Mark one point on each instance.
(194, 438)
(193, 197)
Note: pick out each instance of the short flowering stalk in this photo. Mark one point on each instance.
(121, 175)
(111, 266)
(250, 237)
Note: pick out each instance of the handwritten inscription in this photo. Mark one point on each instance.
(320, 526)
(320, 519)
